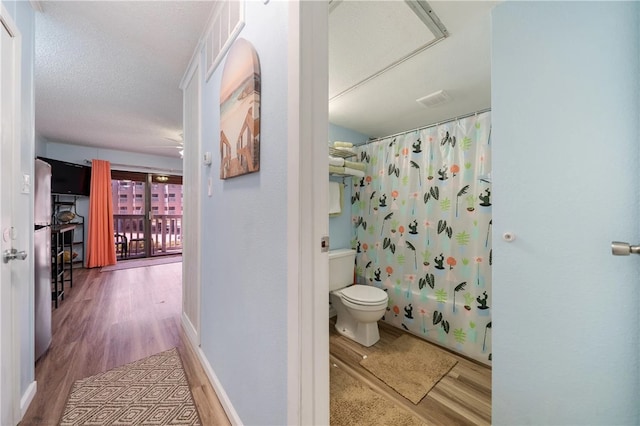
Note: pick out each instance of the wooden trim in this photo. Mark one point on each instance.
(36, 5)
(294, 325)
(142, 177)
(192, 247)
(28, 396)
(10, 386)
(195, 145)
(189, 329)
(225, 401)
(195, 58)
(194, 63)
(308, 350)
(124, 175)
(209, 37)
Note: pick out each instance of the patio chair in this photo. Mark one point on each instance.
(122, 246)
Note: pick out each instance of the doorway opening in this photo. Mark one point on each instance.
(147, 214)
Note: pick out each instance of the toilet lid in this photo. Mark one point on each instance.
(364, 295)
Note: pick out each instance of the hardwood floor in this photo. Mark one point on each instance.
(462, 397)
(112, 318)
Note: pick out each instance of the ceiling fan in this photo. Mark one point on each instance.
(179, 144)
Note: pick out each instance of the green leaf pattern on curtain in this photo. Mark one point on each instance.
(422, 220)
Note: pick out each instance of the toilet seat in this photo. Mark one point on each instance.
(364, 295)
(358, 309)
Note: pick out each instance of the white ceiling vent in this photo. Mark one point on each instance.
(434, 99)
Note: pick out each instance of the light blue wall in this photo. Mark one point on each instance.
(244, 240)
(340, 227)
(339, 133)
(565, 154)
(40, 146)
(24, 18)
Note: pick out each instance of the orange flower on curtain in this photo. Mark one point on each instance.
(101, 249)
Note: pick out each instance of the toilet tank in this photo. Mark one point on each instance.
(341, 266)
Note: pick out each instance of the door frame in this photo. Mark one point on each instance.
(192, 203)
(10, 386)
(307, 218)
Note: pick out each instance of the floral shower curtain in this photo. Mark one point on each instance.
(422, 217)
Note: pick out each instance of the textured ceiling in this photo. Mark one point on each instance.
(107, 72)
(385, 32)
(458, 64)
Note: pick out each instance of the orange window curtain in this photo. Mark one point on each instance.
(101, 249)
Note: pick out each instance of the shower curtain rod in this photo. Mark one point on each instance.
(427, 127)
(149, 169)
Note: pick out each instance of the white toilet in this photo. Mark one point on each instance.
(359, 307)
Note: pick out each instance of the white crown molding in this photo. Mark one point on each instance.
(36, 5)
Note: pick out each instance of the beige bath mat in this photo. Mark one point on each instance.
(352, 403)
(410, 366)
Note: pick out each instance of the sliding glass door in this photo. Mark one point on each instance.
(147, 214)
(166, 216)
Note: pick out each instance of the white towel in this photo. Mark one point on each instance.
(339, 144)
(336, 161)
(336, 170)
(353, 172)
(355, 165)
(346, 149)
(335, 200)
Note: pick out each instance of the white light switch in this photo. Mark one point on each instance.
(209, 187)
(206, 158)
(26, 184)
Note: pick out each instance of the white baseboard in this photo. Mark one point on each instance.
(26, 399)
(229, 410)
(190, 330)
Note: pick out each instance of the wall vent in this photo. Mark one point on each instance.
(224, 26)
(434, 99)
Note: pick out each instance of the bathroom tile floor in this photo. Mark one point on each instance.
(462, 397)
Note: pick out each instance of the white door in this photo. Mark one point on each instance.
(565, 155)
(9, 145)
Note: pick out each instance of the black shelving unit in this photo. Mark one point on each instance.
(57, 269)
(59, 273)
(73, 240)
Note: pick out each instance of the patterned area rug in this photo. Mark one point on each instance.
(410, 366)
(151, 391)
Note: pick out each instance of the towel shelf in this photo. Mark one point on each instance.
(341, 153)
(343, 175)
